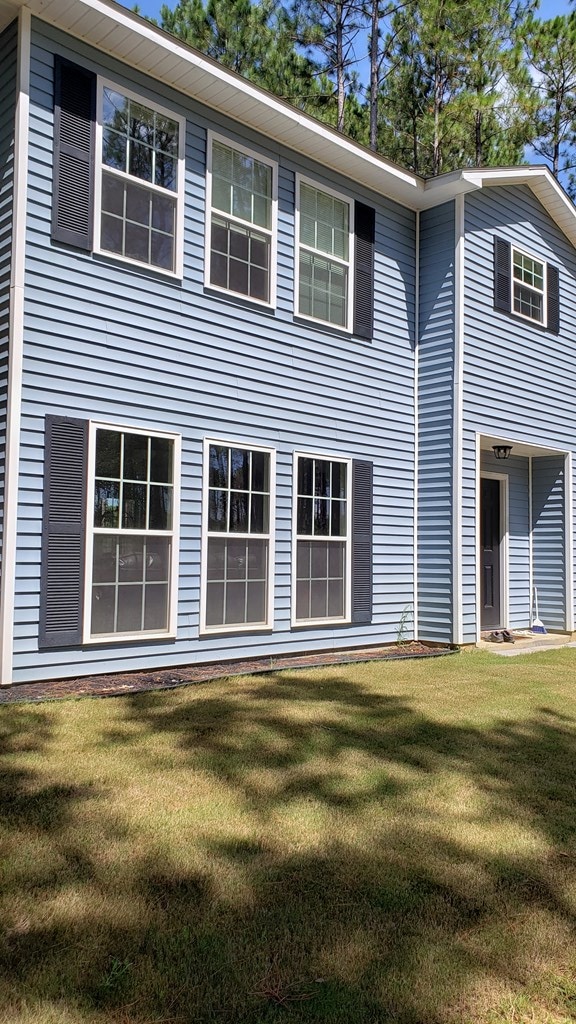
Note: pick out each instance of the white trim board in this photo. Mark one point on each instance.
(457, 426)
(16, 351)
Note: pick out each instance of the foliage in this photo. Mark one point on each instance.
(256, 40)
(551, 54)
(448, 83)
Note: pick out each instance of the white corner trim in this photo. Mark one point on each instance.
(15, 350)
(416, 419)
(457, 426)
(477, 532)
(569, 545)
(530, 541)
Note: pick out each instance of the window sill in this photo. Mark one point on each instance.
(235, 297)
(144, 268)
(323, 325)
(122, 638)
(521, 319)
(234, 630)
(318, 623)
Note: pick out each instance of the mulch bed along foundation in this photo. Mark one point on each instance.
(119, 684)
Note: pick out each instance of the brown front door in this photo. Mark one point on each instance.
(490, 541)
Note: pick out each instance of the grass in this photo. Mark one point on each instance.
(360, 844)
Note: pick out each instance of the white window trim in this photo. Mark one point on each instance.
(179, 194)
(347, 619)
(213, 137)
(249, 627)
(537, 259)
(174, 534)
(347, 328)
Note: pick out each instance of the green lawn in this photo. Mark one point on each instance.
(363, 844)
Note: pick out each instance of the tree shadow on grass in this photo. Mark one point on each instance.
(331, 855)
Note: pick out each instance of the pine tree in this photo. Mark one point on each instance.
(454, 91)
(551, 54)
(257, 40)
(331, 28)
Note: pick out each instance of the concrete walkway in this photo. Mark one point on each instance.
(527, 643)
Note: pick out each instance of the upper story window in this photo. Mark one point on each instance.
(241, 224)
(526, 286)
(324, 220)
(529, 286)
(141, 180)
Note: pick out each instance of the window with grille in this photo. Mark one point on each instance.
(322, 520)
(141, 172)
(132, 535)
(239, 484)
(241, 222)
(324, 255)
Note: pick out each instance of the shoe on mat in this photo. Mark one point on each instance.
(507, 636)
(496, 637)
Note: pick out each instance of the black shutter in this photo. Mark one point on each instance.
(63, 529)
(364, 229)
(74, 140)
(362, 474)
(553, 295)
(502, 275)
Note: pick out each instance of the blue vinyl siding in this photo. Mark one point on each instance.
(516, 468)
(435, 423)
(8, 59)
(549, 539)
(519, 380)
(141, 349)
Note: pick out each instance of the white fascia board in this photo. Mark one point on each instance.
(537, 178)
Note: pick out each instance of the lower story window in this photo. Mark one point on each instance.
(322, 539)
(237, 493)
(132, 477)
(130, 584)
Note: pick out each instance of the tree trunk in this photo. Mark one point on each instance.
(437, 148)
(340, 66)
(478, 136)
(374, 22)
(556, 149)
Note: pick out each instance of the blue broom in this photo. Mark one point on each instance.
(537, 624)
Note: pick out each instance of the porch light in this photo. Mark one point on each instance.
(501, 451)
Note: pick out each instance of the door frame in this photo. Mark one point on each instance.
(504, 550)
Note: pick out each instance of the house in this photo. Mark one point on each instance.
(253, 374)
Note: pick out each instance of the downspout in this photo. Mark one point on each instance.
(457, 424)
(15, 349)
(416, 417)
